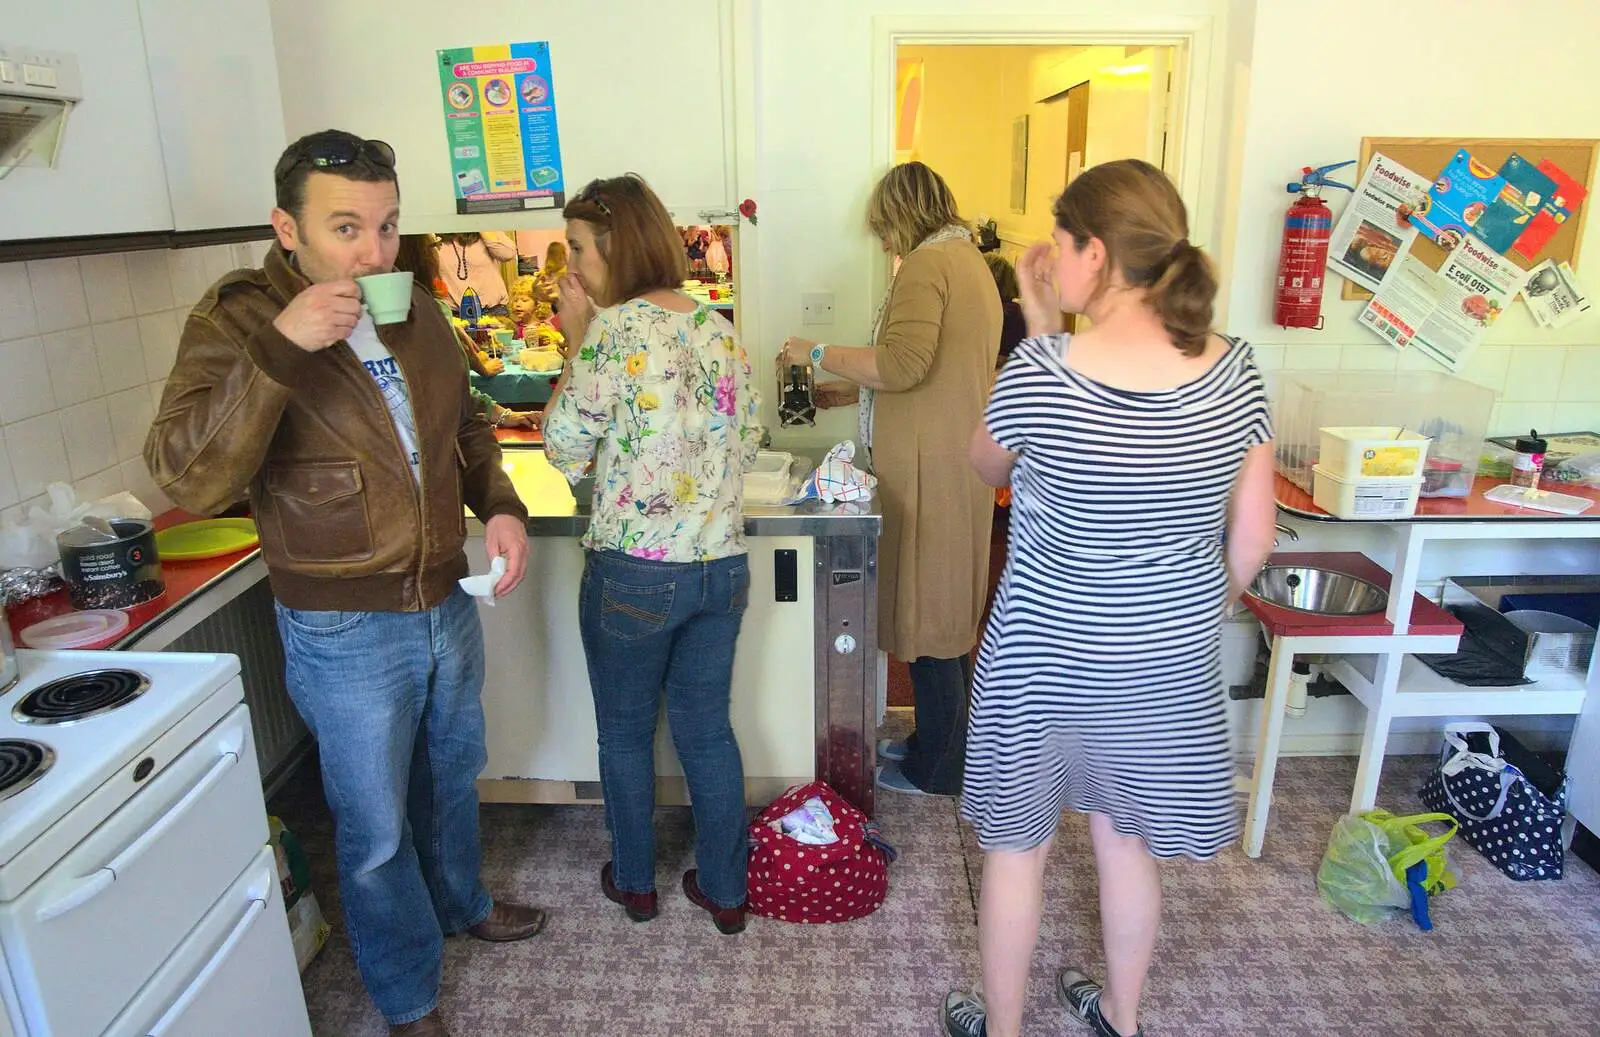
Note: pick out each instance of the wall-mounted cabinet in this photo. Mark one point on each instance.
(179, 126)
(214, 75)
(652, 93)
(109, 177)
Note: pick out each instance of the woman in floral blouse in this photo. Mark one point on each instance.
(657, 400)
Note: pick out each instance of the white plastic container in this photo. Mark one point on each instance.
(1365, 498)
(767, 482)
(1372, 450)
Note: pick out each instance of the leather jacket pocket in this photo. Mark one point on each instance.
(320, 509)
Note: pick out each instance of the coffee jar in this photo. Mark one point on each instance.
(111, 573)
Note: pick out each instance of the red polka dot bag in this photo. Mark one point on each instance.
(796, 881)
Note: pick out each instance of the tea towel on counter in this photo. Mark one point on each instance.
(1502, 815)
(837, 480)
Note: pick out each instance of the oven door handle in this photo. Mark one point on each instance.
(90, 886)
(198, 985)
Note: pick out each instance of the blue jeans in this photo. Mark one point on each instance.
(649, 626)
(393, 700)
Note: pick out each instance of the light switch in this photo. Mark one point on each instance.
(39, 75)
(8, 72)
(816, 308)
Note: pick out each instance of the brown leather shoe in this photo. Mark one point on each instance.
(641, 907)
(729, 920)
(509, 922)
(430, 1025)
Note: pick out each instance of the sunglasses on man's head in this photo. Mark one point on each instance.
(342, 152)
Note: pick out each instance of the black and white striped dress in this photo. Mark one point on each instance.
(1099, 686)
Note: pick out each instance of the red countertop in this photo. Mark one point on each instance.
(183, 581)
(1474, 508)
(1426, 617)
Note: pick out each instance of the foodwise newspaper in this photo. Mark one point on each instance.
(1375, 231)
(1445, 315)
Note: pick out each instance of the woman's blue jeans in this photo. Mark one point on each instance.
(652, 627)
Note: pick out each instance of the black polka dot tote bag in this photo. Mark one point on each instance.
(1502, 814)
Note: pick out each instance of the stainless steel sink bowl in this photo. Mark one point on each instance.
(1321, 592)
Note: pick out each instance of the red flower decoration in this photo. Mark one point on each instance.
(747, 209)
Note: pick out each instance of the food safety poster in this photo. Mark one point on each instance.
(1374, 232)
(1458, 199)
(1445, 315)
(500, 122)
(1523, 196)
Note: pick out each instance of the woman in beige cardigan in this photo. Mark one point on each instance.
(922, 386)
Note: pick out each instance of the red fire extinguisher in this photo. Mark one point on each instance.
(1303, 263)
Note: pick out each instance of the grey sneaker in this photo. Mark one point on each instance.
(895, 750)
(892, 778)
(965, 1015)
(1080, 995)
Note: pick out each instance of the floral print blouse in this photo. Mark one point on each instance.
(663, 405)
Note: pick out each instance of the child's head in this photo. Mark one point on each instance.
(523, 299)
(555, 259)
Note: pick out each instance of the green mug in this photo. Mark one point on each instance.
(386, 296)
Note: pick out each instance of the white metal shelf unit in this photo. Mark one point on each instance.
(1410, 689)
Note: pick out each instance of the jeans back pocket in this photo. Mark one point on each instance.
(629, 612)
(739, 588)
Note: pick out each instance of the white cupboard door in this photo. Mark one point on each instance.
(648, 91)
(109, 177)
(214, 74)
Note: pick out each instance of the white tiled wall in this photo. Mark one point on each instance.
(1550, 388)
(85, 348)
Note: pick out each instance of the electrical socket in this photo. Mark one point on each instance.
(816, 308)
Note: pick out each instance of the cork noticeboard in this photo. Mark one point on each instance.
(1428, 156)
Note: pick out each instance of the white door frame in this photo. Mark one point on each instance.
(1197, 85)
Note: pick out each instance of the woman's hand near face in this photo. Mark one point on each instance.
(576, 309)
(1041, 305)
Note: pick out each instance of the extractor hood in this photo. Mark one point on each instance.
(37, 91)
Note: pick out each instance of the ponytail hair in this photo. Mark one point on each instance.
(1136, 212)
(1184, 297)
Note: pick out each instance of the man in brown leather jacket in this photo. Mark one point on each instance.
(359, 448)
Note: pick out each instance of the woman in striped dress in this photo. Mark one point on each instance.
(1131, 450)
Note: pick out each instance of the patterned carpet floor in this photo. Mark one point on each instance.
(1247, 947)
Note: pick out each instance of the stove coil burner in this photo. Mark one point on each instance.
(80, 696)
(21, 764)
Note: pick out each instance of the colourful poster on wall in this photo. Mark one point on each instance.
(1459, 196)
(500, 122)
(1520, 200)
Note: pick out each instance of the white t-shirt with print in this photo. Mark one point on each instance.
(385, 370)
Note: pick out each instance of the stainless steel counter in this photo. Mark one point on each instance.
(844, 562)
(811, 519)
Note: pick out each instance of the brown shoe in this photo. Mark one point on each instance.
(430, 1025)
(729, 920)
(641, 907)
(509, 922)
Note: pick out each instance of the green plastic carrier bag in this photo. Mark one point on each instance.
(1363, 873)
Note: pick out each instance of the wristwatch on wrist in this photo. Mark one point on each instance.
(816, 354)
